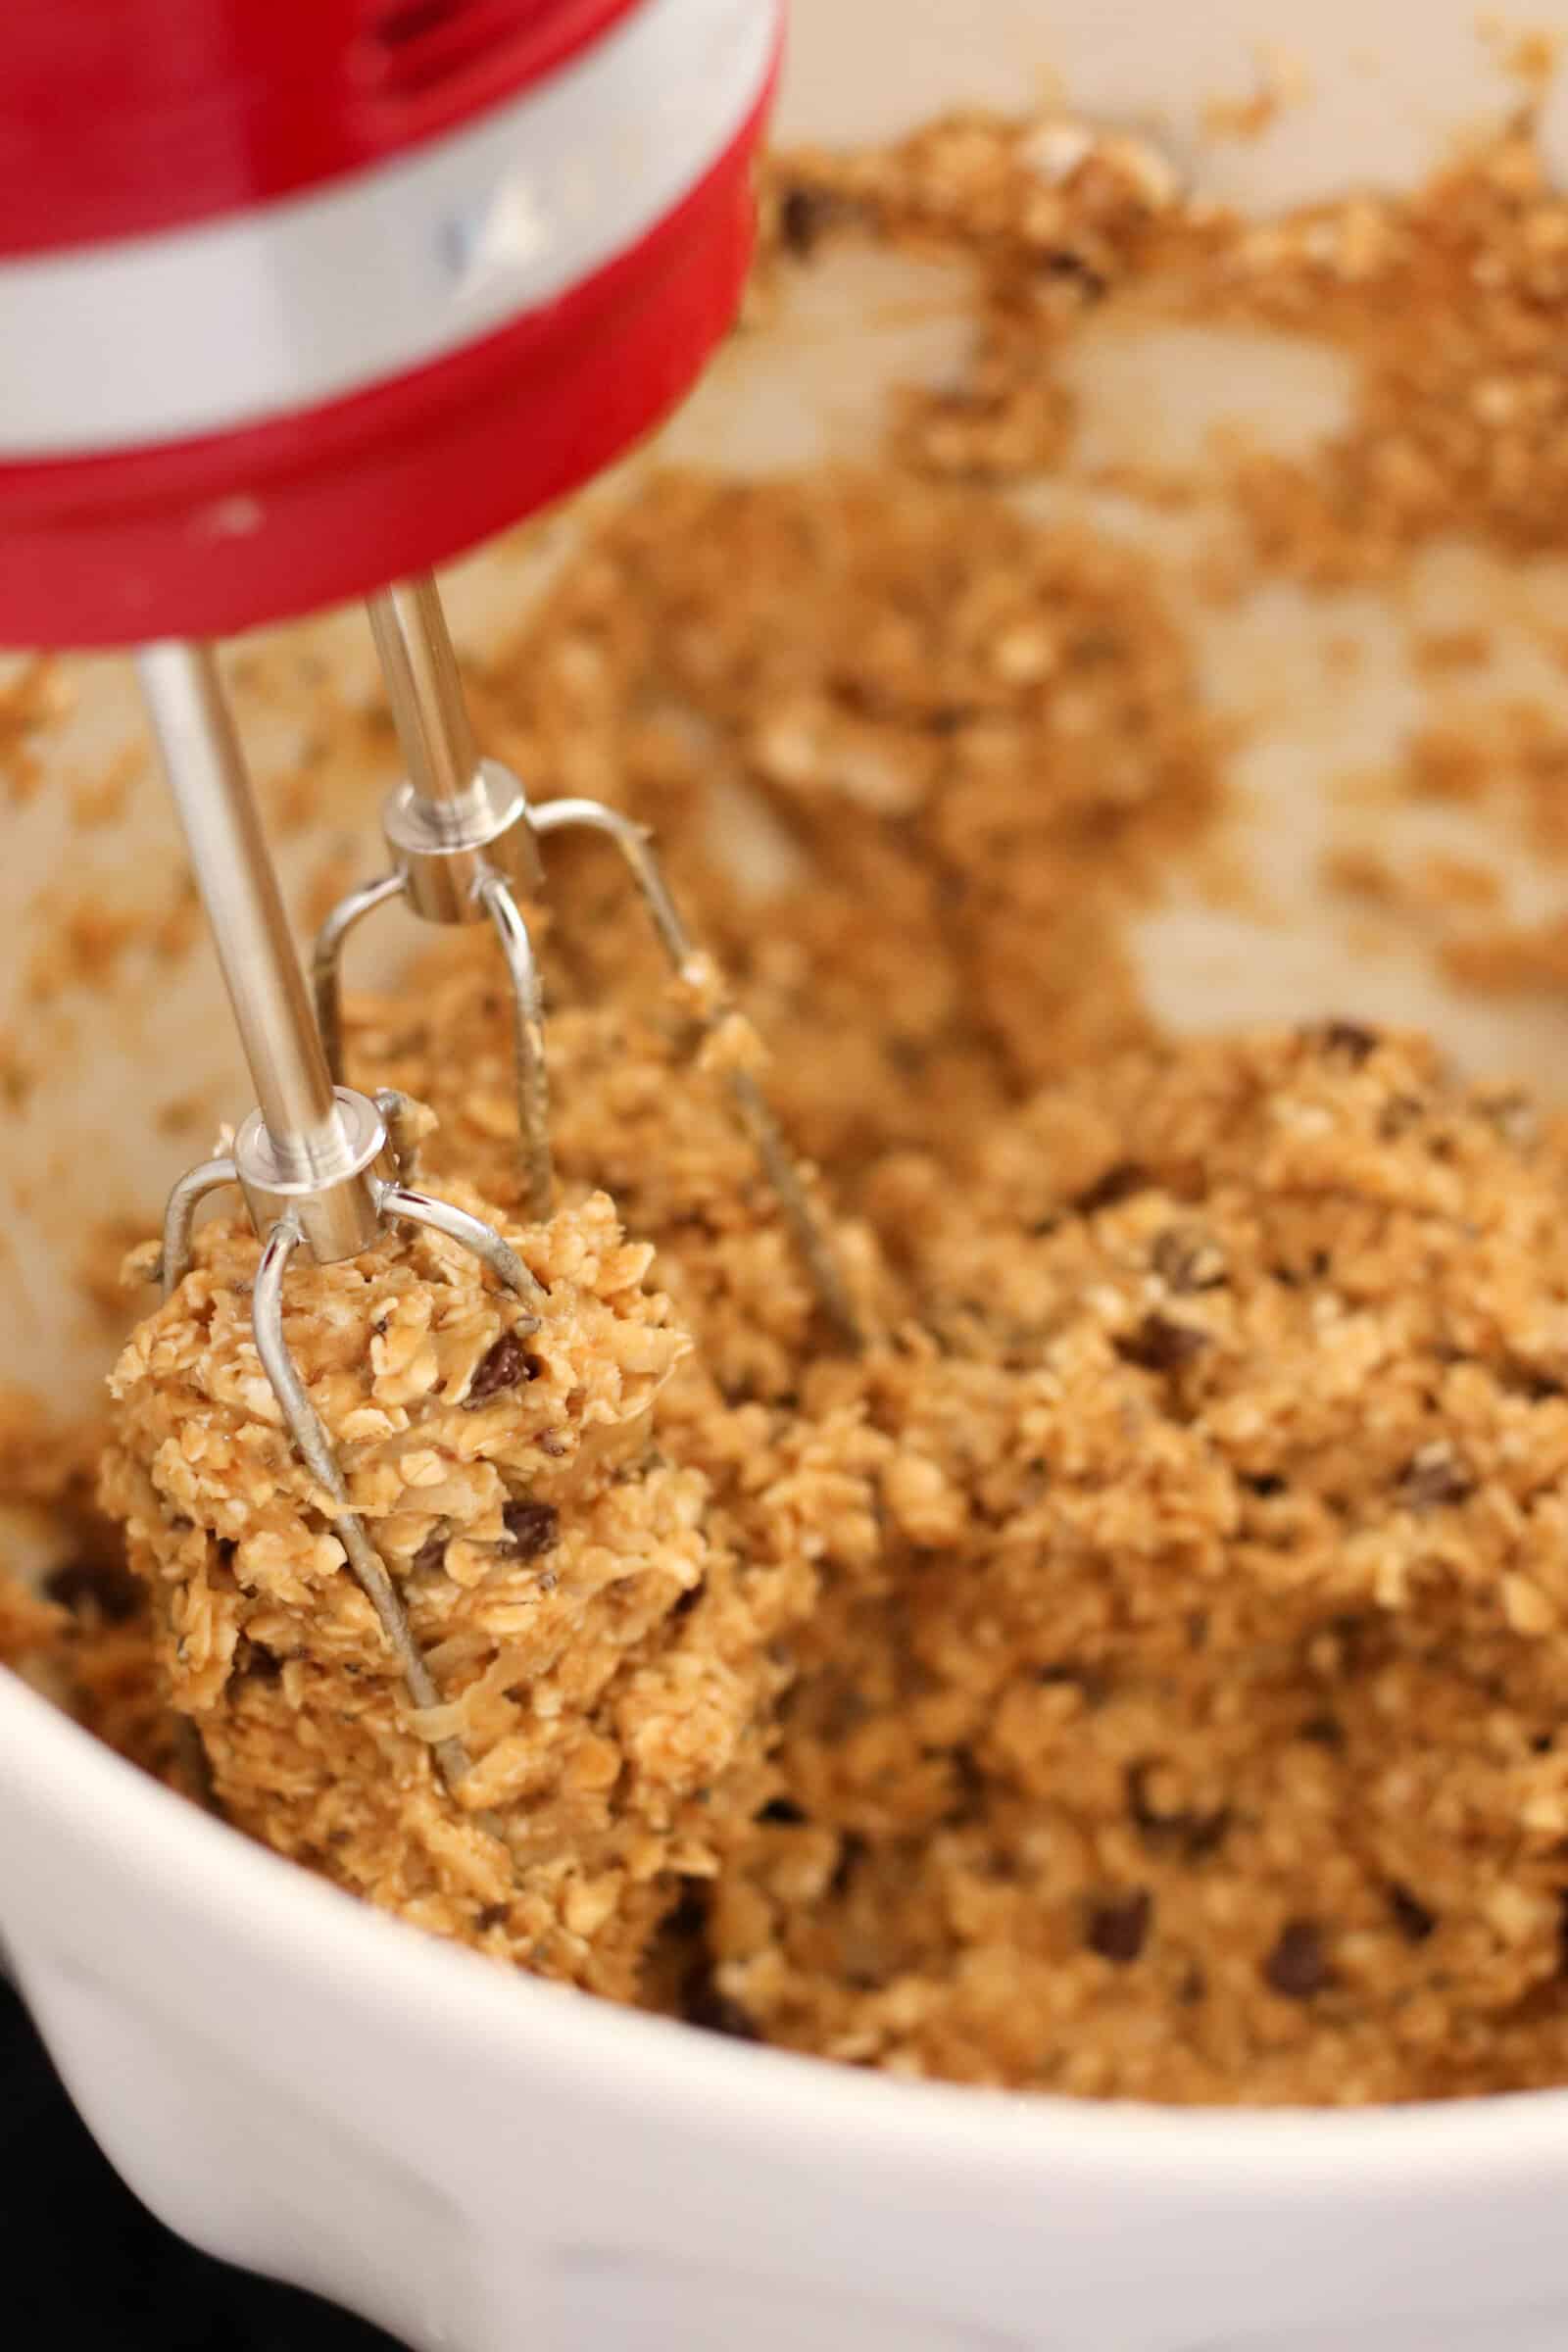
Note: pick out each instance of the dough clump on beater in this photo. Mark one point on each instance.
(594, 1658)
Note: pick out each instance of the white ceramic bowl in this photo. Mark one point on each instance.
(480, 2163)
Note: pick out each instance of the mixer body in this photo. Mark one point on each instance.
(298, 300)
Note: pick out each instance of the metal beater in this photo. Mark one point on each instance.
(464, 840)
(319, 1165)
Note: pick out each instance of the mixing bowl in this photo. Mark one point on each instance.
(478, 2162)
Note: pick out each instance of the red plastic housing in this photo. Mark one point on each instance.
(118, 117)
(192, 109)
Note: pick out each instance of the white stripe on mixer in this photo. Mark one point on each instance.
(161, 338)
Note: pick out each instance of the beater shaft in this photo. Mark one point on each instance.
(429, 706)
(307, 1147)
(235, 874)
(456, 822)
(462, 848)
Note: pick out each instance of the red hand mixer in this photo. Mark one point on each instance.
(297, 299)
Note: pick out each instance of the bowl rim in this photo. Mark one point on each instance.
(95, 1803)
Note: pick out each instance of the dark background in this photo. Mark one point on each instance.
(85, 2264)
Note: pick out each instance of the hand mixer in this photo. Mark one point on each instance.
(297, 302)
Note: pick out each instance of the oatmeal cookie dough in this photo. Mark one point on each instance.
(1179, 1716)
(1180, 1713)
(77, 1629)
(1171, 1607)
(595, 1656)
(1198, 1732)
(976, 740)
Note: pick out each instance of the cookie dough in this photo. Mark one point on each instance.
(594, 1655)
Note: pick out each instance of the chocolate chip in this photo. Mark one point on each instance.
(784, 1810)
(1117, 1929)
(506, 1364)
(107, 1587)
(706, 2006)
(1356, 1644)
(1434, 1477)
(254, 1662)
(1202, 1833)
(1298, 1964)
(853, 1850)
(806, 214)
(1412, 1916)
(1118, 1183)
(689, 1917)
(1159, 1344)
(1195, 1834)
(531, 1528)
(970, 1786)
(1185, 1261)
(1399, 1115)
(1351, 1040)
(1322, 1730)
(1138, 1778)
(1091, 283)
